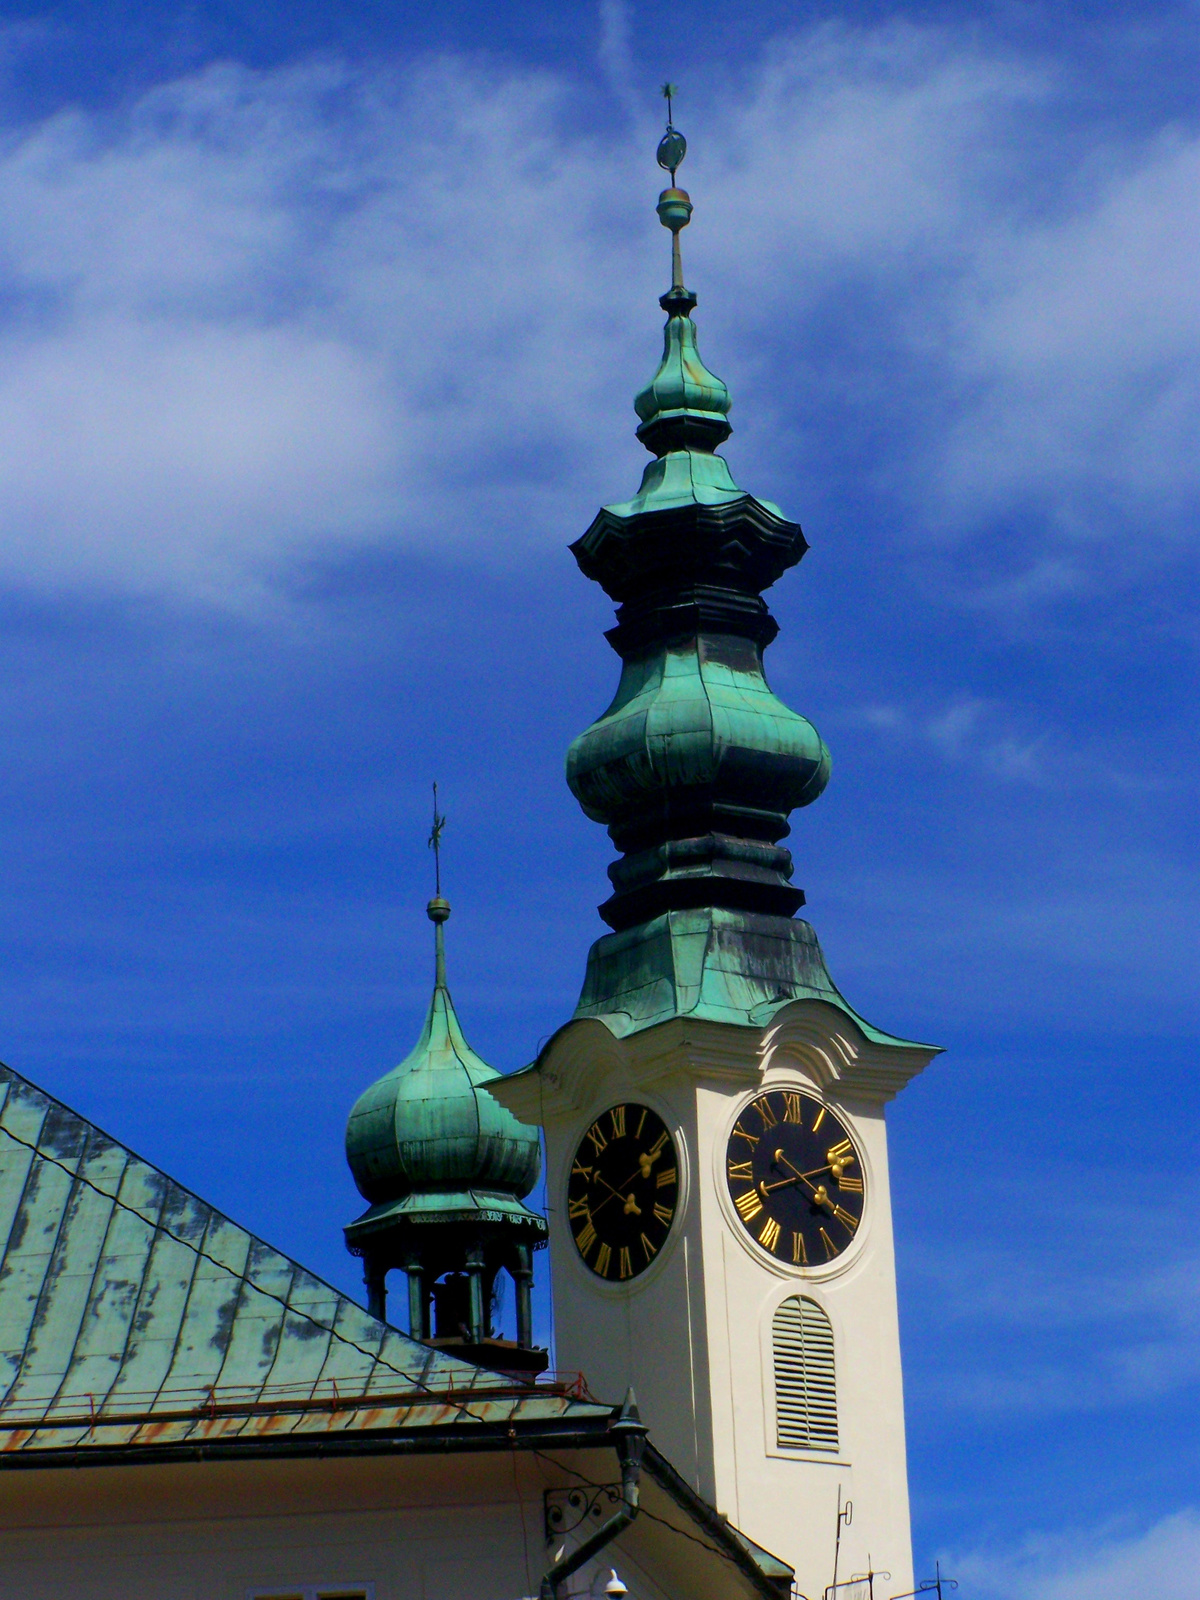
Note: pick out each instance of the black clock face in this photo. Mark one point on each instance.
(795, 1178)
(623, 1190)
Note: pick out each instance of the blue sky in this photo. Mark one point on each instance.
(318, 339)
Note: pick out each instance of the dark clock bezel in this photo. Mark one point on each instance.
(607, 1270)
(745, 1228)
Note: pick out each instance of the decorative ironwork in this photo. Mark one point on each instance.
(569, 1509)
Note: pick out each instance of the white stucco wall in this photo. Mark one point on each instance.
(400, 1527)
(692, 1333)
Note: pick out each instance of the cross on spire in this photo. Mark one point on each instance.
(435, 844)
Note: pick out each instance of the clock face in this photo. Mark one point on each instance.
(623, 1191)
(795, 1178)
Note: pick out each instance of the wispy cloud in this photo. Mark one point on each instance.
(965, 730)
(260, 315)
(1091, 1564)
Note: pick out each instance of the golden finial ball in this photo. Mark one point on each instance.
(438, 910)
(674, 209)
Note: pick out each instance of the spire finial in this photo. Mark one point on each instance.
(674, 207)
(438, 910)
(435, 844)
(672, 146)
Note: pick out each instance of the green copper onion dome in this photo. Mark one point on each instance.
(428, 1140)
(696, 764)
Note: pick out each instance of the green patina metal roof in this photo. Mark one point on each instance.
(713, 964)
(675, 718)
(132, 1313)
(685, 403)
(427, 1143)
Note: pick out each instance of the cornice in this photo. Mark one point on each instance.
(584, 1057)
(841, 1059)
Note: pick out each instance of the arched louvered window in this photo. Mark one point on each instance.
(805, 1389)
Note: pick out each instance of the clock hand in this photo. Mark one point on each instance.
(613, 1194)
(811, 1173)
(628, 1200)
(769, 1188)
(820, 1195)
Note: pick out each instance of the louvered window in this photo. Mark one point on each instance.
(805, 1390)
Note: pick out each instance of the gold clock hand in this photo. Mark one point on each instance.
(820, 1195)
(769, 1188)
(628, 1201)
(613, 1194)
(811, 1173)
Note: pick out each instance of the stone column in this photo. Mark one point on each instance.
(416, 1298)
(375, 1278)
(474, 1265)
(522, 1276)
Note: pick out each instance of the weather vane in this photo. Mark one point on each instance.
(672, 146)
(674, 206)
(435, 844)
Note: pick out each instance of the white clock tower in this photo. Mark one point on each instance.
(717, 1164)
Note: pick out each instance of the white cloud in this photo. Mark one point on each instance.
(257, 316)
(1087, 356)
(968, 730)
(1090, 1564)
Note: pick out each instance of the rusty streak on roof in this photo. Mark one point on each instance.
(132, 1314)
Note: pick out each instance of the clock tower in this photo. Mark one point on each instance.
(714, 1111)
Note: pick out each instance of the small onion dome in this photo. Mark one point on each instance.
(430, 1129)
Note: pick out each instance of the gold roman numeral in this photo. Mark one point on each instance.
(617, 1117)
(585, 1238)
(851, 1185)
(769, 1236)
(840, 1151)
(748, 1205)
(657, 1148)
(740, 1133)
(603, 1257)
(578, 1170)
(845, 1218)
(830, 1247)
(821, 1115)
(666, 1178)
(799, 1253)
(740, 1169)
(791, 1108)
(596, 1138)
(641, 1123)
(763, 1107)
(578, 1208)
(661, 1214)
(624, 1266)
(647, 1247)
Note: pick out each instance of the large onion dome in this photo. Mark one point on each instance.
(696, 765)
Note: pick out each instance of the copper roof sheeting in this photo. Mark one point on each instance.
(132, 1314)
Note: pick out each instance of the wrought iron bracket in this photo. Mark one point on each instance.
(584, 1506)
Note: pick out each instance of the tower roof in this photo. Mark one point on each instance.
(697, 764)
(427, 1143)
